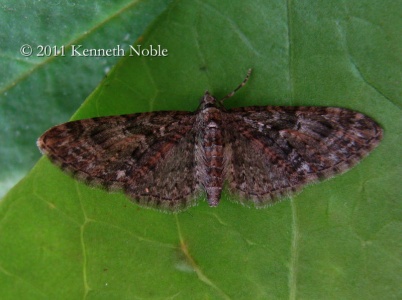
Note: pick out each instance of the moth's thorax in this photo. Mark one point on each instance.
(210, 149)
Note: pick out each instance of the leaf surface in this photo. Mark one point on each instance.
(339, 239)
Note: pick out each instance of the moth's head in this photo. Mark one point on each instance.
(207, 101)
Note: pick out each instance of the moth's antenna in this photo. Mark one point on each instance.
(238, 88)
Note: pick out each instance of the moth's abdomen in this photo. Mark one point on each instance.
(211, 151)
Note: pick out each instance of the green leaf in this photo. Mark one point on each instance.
(339, 239)
(37, 92)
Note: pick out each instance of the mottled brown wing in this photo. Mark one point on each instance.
(275, 151)
(150, 156)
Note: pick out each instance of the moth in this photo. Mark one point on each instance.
(165, 159)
